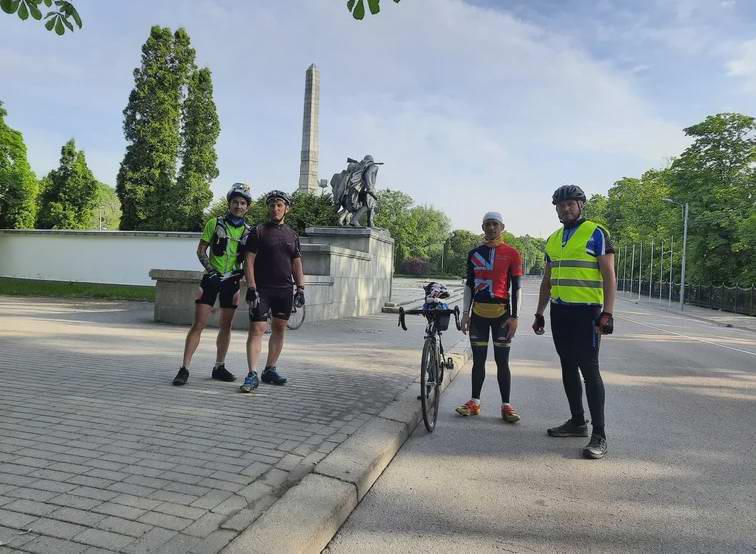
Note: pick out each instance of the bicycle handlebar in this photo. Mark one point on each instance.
(403, 312)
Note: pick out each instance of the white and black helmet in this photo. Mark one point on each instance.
(239, 189)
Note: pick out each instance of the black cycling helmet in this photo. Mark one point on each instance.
(239, 189)
(278, 195)
(567, 192)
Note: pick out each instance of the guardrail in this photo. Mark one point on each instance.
(736, 299)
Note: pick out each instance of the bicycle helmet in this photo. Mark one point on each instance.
(568, 192)
(278, 195)
(435, 292)
(239, 189)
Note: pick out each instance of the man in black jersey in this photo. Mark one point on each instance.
(273, 264)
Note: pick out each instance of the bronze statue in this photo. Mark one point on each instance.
(354, 191)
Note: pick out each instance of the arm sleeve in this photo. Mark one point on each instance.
(516, 295)
(466, 300)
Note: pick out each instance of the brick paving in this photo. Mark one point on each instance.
(99, 453)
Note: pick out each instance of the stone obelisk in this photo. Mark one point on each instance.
(308, 167)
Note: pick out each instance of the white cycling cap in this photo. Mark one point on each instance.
(493, 216)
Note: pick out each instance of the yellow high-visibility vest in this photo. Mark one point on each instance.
(575, 274)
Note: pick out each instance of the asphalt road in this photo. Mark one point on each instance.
(680, 475)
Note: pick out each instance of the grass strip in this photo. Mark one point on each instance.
(72, 289)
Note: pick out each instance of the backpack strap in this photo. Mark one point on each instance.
(221, 222)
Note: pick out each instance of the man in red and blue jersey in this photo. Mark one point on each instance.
(489, 308)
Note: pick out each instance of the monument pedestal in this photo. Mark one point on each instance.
(348, 272)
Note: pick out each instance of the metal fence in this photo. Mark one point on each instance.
(736, 299)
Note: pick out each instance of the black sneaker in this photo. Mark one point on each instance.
(271, 376)
(569, 429)
(596, 448)
(181, 377)
(222, 374)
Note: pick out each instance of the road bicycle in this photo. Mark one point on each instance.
(434, 362)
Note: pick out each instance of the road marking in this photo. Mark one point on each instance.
(688, 337)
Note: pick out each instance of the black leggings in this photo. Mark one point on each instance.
(479, 332)
(577, 343)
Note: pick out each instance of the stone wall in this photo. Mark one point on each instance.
(347, 270)
(113, 257)
(348, 273)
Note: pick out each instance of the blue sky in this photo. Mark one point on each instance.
(472, 106)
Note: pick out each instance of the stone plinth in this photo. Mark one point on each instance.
(361, 285)
(348, 273)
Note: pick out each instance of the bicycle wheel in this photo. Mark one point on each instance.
(297, 317)
(429, 389)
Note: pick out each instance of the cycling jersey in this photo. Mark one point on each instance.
(275, 246)
(228, 261)
(490, 269)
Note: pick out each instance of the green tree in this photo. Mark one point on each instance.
(58, 19)
(311, 210)
(308, 210)
(532, 251)
(69, 193)
(596, 208)
(357, 7)
(458, 246)
(18, 184)
(146, 182)
(106, 215)
(428, 229)
(393, 215)
(199, 132)
(716, 176)
(636, 210)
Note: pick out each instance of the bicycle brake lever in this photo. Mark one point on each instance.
(456, 318)
(401, 319)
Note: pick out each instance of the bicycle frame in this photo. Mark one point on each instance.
(433, 361)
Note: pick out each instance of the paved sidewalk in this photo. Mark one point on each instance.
(99, 453)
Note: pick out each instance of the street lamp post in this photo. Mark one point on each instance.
(684, 248)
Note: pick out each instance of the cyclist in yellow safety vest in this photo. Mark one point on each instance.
(579, 280)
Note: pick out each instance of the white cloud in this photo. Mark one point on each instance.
(469, 108)
(743, 66)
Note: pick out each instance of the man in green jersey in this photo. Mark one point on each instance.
(222, 236)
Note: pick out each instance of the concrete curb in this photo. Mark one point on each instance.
(305, 519)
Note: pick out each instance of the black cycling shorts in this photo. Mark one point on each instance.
(227, 289)
(277, 302)
(479, 329)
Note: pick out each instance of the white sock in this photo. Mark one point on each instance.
(218, 364)
(477, 401)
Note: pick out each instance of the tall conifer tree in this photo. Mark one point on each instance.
(69, 196)
(18, 184)
(200, 129)
(146, 182)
